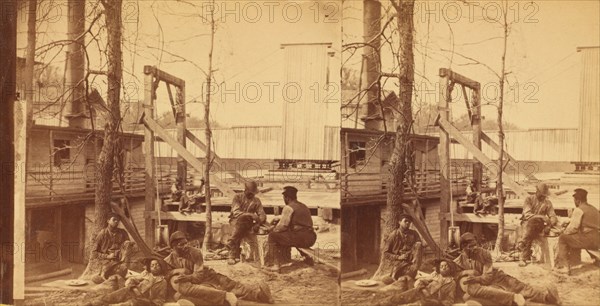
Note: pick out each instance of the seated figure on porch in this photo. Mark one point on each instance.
(582, 232)
(192, 201)
(108, 249)
(403, 249)
(247, 214)
(294, 229)
(202, 285)
(538, 216)
(149, 288)
(491, 286)
(436, 289)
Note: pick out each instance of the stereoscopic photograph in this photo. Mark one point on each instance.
(299, 152)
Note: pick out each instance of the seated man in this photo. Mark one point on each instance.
(108, 249)
(295, 229)
(204, 286)
(403, 248)
(581, 233)
(247, 213)
(538, 213)
(149, 288)
(491, 284)
(437, 289)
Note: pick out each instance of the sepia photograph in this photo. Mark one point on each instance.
(176, 152)
(300, 152)
(470, 153)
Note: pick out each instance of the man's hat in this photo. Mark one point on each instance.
(251, 186)
(178, 235)
(403, 216)
(290, 190)
(543, 188)
(580, 192)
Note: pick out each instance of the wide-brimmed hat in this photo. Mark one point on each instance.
(543, 189)
(251, 186)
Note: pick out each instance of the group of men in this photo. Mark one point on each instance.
(183, 270)
(473, 274)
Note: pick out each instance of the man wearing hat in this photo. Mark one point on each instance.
(403, 248)
(246, 212)
(203, 285)
(538, 214)
(581, 233)
(295, 229)
(481, 281)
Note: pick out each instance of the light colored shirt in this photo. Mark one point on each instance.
(241, 205)
(286, 218)
(575, 222)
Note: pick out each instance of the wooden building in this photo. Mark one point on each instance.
(60, 181)
(364, 179)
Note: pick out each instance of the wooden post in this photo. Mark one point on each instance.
(181, 138)
(444, 158)
(476, 125)
(51, 165)
(149, 157)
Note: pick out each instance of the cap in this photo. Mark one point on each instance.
(178, 235)
(467, 238)
(580, 192)
(405, 216)
(290, 190)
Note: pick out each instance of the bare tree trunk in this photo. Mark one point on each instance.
(208, 134)
(401, 155)
(500, 187)
(30, 61)
(107, 158)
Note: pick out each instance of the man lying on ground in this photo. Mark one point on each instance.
(437, 289)
(202, 285)
(491, 286)
(149, 288)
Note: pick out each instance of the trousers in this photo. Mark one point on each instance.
(210, 289)
(280, 241)
(503, 288)
(242, 226)
(569, 247)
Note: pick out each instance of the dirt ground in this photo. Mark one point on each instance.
(581, 288)
(298, 284)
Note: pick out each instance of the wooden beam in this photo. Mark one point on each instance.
(496, 148)
(163, 76)
(216, 159)
(189, 157)
(150, 179)
(487, 162)
(444, 156)
(458, 78)
(477, 131)
(181, 128)
(421, 226)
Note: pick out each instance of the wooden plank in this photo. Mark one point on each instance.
(217, 160)
(444, 155)
(149, 171)
(496, 148)
(181, 128)
(458, 78)
(189, 157)
(487, 162)
(177, 216)
(477, 174)
(163, 76)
